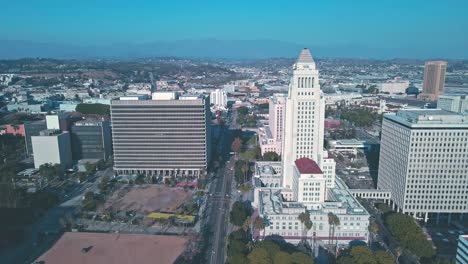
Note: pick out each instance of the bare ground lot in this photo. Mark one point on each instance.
(148, 198)
(78, 248)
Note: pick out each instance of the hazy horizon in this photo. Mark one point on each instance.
(353, 29)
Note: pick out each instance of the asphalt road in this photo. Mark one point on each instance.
(220, 195)
(219, 199)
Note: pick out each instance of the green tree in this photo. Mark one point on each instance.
(271, 156)
(103, 185)
(259, 256)
(236, 259)
(304, 218)
(242, 110)
(301, 258)
(333, 221)
(282, 258)
(409, 234)
(362, 255)
(50, 171)
(259, 224)
(236, 145)
(239, 213)
(90, 167)
(96, 109)
(383, 257)
(82, 176)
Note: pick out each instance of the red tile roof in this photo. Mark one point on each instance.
(307, 166)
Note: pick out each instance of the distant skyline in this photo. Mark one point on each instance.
(366, 29)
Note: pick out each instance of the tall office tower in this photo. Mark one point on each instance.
(423, 161)
(91, 139)
(453, 103)
(166, 136)
(434, 80)
(304, 119)
(52, 146)
(32, 128)
(218, 98)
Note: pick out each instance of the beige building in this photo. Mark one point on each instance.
(434, 80)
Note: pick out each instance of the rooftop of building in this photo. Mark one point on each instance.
(343, 201)
(305, 56)
(429, 118)
(51, 132)
(307, 166)
(89, 122)
(266, 169)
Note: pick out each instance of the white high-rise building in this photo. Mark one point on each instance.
(305, 116)
(423, 161)
(271, 137)
(218, 98)
(453, 103)
(307, 173)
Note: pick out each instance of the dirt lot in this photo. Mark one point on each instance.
(78, 248)
(148, 198)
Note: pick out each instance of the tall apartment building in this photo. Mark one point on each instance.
(423, 161)
(166, 136)
(271, 140)
(91, 139)
(52, 146)
(218, 99)
(453, 103)
(304, 118)
(434, 80)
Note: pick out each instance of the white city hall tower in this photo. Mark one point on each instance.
(304, 119)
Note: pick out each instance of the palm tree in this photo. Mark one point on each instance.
(245, 169)
(304, 218)
(336, 223)
(330, 225)
(333, 221)
(259, 224)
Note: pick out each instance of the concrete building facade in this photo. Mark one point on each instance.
(52, 146)
(305, 179)
(304, 118)
(162, 138)
(453, 103)
(91, 139)
(218, 98)
(271, 137)
(423, 161)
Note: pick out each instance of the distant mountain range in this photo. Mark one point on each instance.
(209, 48)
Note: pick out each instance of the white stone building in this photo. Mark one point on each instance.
(305, 116)
(423, 161)
(453, 103)
(305, 179)
(271, 136)
(218, 98)
(52, 146)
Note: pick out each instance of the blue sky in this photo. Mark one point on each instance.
(411, 24)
